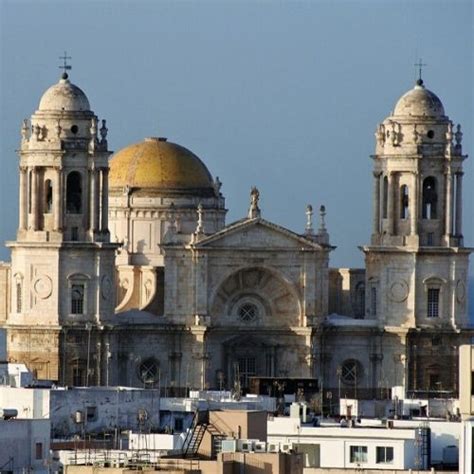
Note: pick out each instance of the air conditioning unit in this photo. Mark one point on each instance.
(273, 448)
(286, 447)
(260, 447)
(229, 445)
(246, 445)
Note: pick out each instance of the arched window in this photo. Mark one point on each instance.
(404, 202)
(430, 198)
(74, 193)
(385, 198)
(360, 300)
(48, 196)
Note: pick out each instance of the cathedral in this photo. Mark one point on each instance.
(124, 270)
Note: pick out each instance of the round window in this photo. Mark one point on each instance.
(74, 129)
(248, 312)
(148, 371)
(430, 134)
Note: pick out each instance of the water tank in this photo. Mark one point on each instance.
(7, 413)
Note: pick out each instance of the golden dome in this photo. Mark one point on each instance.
(160, 165)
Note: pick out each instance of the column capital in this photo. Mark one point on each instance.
(459, 173)
(377, 174)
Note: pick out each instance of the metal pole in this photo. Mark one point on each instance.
(88, 327)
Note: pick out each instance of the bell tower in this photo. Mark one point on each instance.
(62, 275)
(417, 265)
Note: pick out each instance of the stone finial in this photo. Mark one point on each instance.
(254, 210)
(449, 133)
(380, 134)
(309, 220)
(458, 136)
(200, 221)
(322, 219)
(25, 130)
(103, 133)
(217, 185)
(37, 131)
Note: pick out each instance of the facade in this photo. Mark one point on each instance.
(141, 282)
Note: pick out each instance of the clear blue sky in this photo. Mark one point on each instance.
(282, 95)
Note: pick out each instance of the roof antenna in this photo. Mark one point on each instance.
(419, 65)
(65, 66)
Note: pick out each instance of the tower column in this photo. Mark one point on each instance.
(391, 202)
(413, 197)
(459, 176)
(376, 223)
(23, 199)
(34, 198)
(94, 208)
(449, 205)
(105, 199)
(58, 208)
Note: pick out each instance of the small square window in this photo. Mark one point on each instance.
(178, 424)
(91, 413)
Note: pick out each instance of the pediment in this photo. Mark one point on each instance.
(257, 234)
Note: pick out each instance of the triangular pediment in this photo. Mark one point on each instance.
(256, 234)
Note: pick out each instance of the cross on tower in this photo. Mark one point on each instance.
(420, 65)
(65, 66)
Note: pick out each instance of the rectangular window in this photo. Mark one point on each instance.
(74, 234)
(77, 299)
(39, 451)
(358, 454)
(178, 424)
(429, 239)
(384, 455)
(91, 413)
(19, 298)
(373, 301)
(433, 303)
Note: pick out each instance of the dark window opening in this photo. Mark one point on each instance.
(429, 239)
(433, 303)
(30, 187)
(39, 451)
(19, 297)
(74, 234)
(74, 129)
(74, 193)
(430, 134)
(373, 301)
(384, 455)
(351, 372)
(149, 371)
(430, 198)
(404, 202)
(178, 424)
(360, 300)
(435, 382)
(91, 413)
(385, 198)
(48, 196)
(247, 367)
(78, 376)
(77, 299)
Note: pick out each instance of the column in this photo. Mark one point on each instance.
(57, 200)
(376, 222)
(93, 216)
(105, 200)
(459, 203)
(34, 197)
(449, 204)
(413, 202)
(23, 200)
(390, 202)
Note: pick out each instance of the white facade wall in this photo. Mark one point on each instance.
(29, 402)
